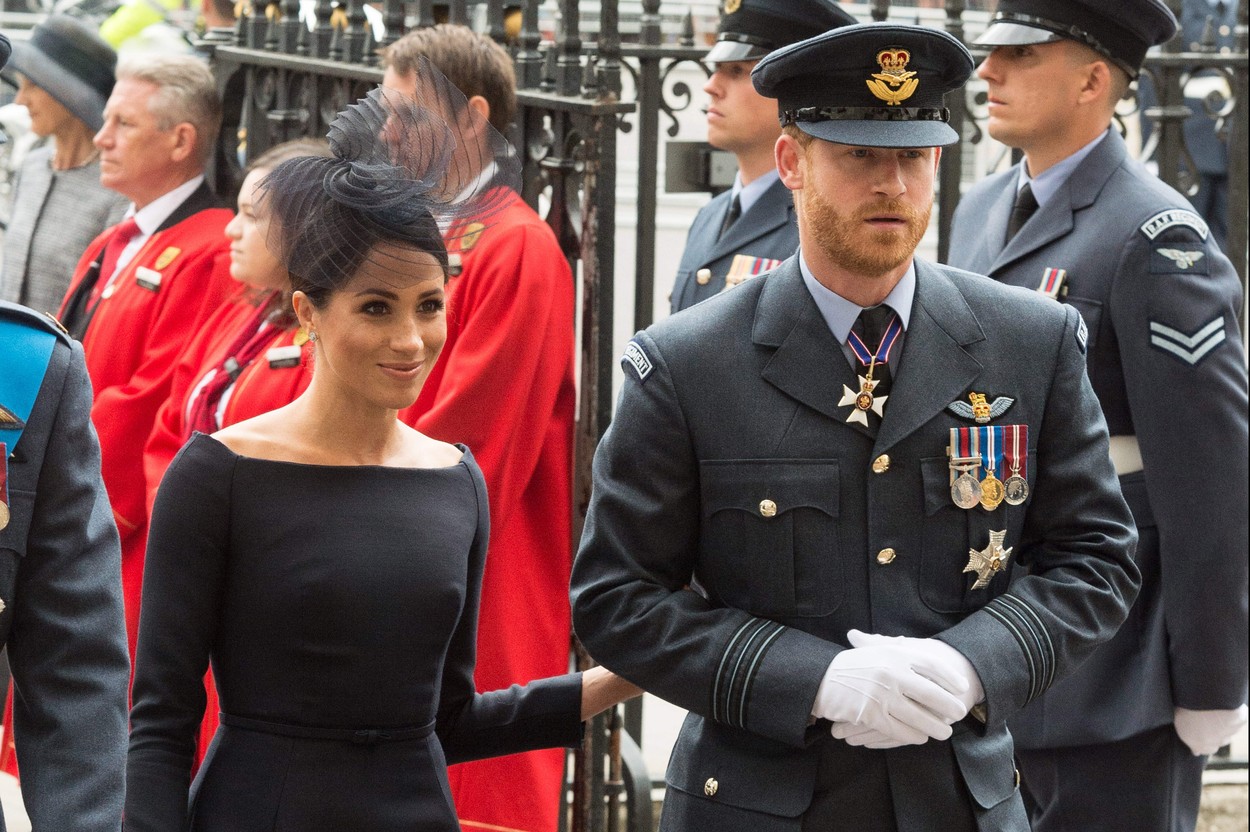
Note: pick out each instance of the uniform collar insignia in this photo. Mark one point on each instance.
(979, 410)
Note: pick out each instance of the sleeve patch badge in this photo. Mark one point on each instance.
(1171, 218)
(1176, 258)
(637, 358)
(1082, 332)
(1190, 348)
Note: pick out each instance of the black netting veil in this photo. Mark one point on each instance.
(407, 175)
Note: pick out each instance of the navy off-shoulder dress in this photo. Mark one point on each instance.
(338, 606)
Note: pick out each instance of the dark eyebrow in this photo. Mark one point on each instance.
(386, 293)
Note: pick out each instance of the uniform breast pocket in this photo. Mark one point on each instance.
(770, 536)
(951, 533)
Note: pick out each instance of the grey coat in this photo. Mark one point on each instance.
(685, 587)
(1166, 360)
(60, 581)
(55, 216)
(768, 231)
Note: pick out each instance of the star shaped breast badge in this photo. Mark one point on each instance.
(988, 561)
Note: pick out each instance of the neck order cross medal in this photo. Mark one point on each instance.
(869, 397)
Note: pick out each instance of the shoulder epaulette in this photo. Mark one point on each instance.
(37, 320)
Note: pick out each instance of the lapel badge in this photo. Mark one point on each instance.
(894, 83)
(703, 277)
(988, 562)
(454, 266)
(280, 358)
(471, 235)
(149, 279)
(9, 420)
(1052, 282)
(167, 257)
(981, 411)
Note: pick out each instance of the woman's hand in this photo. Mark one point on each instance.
(602, 689)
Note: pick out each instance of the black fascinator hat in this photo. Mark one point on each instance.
(406, 176)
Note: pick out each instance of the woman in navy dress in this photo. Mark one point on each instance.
(325, 557)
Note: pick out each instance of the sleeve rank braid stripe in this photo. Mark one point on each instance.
(739, 665)
(1023, 623)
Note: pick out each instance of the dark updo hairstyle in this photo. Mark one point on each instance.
(404, 177)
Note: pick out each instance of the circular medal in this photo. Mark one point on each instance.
(966, 491)
(864, 401)
(1016, 490)
(4, 515)
(992, 492)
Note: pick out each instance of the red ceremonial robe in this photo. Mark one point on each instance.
(132, 343)
(504, 387)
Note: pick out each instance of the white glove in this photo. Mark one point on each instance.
(928, 652)
(1205, 732)
(862, 735)
(903, 697)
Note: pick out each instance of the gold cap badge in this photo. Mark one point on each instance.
(732, 6)
(894, 83)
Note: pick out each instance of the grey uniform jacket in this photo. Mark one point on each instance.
(60, 580)
(767, 231)
(1166, 361)
(685, 586)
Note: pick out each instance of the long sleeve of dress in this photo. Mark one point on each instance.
(542, 714)
(182, 589)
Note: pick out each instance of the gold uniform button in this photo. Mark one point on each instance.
(1017, 778)
(703, 277)
(768, 508)
(886, 556)
(710, 787)
(881, 464)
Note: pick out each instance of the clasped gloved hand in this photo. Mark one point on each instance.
(886, 692)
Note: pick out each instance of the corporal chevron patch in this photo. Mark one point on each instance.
(1190, 348)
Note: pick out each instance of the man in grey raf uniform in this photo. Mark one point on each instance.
(1122, 743)
(806, 508)
(750, 228)
(60, 582)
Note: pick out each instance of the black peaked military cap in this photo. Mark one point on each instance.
(873, 84)
(750, 29)
(1122, 30)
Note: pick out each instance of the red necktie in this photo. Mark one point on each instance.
(126, 231)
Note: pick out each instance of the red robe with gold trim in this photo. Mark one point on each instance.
(504, 387)
(132, 344)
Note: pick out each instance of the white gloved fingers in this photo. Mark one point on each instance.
(932, 659)
(933, 698)
(916, 718)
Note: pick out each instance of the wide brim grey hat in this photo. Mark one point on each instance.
(69, 61)
(872, 85)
